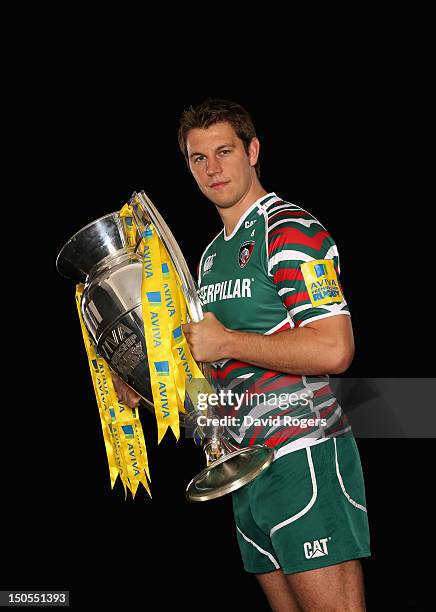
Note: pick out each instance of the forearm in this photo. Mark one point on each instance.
(300, 350)
(323, 346)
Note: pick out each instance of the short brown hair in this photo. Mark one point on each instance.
(214, 110)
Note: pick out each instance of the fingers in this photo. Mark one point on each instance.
(187, 328)
(125, 394)
(188, 332)
(131, 398)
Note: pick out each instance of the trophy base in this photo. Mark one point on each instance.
(229, 473)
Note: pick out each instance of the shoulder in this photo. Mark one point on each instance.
(290, 223)
(294, 233)
(284, 214)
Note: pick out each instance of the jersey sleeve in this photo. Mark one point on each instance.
(303, 261)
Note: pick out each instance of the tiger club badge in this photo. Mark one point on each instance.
(321, 282)
(245, 251)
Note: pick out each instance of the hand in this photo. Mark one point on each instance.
(124, 392)
(207, 339)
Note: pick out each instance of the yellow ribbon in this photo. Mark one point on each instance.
(128, 225)
(122, 429)
(156, 311)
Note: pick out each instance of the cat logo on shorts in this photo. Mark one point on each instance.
(317, 548)
(321, 282)
(245, 251)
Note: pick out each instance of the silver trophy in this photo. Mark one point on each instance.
(100, 256)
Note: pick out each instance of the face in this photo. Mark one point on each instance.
(220, 165)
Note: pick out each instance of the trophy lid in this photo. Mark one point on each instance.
(90, 245)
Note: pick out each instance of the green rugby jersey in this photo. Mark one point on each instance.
(277, 270)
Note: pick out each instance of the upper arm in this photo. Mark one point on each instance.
(336, 333)
(338, 328)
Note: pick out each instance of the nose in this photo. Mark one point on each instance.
(212, 166)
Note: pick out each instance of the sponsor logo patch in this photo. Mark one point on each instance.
(321, 282)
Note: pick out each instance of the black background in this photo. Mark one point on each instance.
(338, 146)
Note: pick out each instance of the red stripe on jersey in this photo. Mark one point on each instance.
(236, 364)
(327, 410)
(256, 387)
(283, 382)
(286, 434)
(323, 391)
(293, 236)
(265, 378)
(284, 213)
(286, 325)
(295, 298)
(288, 274)
(253, 438)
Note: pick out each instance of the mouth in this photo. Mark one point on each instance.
(219, 185)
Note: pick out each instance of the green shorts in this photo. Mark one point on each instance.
(306, 511)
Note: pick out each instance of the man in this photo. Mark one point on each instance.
(276, 324)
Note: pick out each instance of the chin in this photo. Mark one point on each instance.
(223, 200)
(222, 204)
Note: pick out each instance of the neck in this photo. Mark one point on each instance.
(230, 216)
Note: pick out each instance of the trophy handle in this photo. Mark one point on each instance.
(144, 211)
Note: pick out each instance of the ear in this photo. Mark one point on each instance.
(253, 151)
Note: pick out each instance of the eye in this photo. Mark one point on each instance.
(198, 158)
(225, 152)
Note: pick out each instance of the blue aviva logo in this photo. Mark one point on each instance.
(154, 297)
(320, 270)
(112, 413)
(128, 431)
(128, 221)
(177, 333)
(162, 368)
(165, 270)
(148, 232)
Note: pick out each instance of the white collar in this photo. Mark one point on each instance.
(246, 213)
